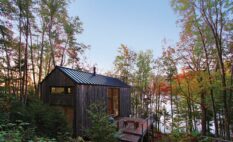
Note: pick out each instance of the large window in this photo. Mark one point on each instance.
(113, 101)
(61, 90)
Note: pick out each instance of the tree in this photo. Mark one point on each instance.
(169, 65)
(101, 129)
(143, 74)
(35, 36)
(6, 42)
(124, 63)
(214, 15)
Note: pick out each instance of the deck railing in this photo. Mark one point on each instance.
(135, 127)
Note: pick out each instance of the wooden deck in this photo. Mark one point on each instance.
(133, 129)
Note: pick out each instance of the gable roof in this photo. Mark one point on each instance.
(81, 77)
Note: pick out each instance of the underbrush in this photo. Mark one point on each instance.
(177, 136)
(33, 121)
(101, 130)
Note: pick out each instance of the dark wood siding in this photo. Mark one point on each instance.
(56, 78)
(88, 95)
(65, 100)
(77, 121)
(125, 102)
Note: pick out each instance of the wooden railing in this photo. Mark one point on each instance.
(149, 121)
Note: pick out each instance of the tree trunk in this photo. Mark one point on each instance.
(203, 39)
(32, 61)
(158, 108)
(194, 117)
(50, 41)
(230, 101)
(20, 41)
(217, 29)
(203, 115)
(214, 113)
(224, 93)
(26, 57)
(41, 55)
(189, 109)
(171, 99)
(8, 78)
(63, 55)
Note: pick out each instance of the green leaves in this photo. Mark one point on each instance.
(101, 129)
(124, 63)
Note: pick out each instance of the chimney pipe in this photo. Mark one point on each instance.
(94, 71)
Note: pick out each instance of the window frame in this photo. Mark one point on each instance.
(66, 88)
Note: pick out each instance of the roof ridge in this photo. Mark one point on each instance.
(73, 69)
(84, 77)
(88, 72)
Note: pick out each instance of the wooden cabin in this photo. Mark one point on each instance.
(73, 91)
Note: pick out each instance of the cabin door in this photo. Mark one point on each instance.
(69, 114)
(114, 101)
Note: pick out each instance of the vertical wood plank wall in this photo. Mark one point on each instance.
(125, 102)
(88, 94)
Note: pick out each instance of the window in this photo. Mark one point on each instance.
(113, 101)
(61, 90)
(68, 90)
(57, 90)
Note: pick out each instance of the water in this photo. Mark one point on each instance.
(165, 104)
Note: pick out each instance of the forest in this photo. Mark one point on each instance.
(189, 87)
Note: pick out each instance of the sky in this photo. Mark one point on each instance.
(139, 24)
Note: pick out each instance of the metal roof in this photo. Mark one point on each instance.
(81, 77)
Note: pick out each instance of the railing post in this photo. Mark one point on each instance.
(152, 130)
(142, 133)
(147, 129)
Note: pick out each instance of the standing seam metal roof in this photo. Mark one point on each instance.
(81, 77)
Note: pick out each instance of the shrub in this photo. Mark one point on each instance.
(48, 121)
(18, 134)
(178, 136)
(43, 120)
(19, 131)
(101, 129)
(10, 135)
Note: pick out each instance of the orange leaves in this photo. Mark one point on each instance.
(165, 88)
(185, 74)
(161, 88)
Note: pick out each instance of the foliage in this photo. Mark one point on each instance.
(144, 68)
(20, 131)
(47, 120)
(178, 136)
(101, 129)
(124, 63)
(35, 36)
(204, 51)
(41, 120)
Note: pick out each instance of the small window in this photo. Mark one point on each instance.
(57, 90)
(61, 90)
(69, 90)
